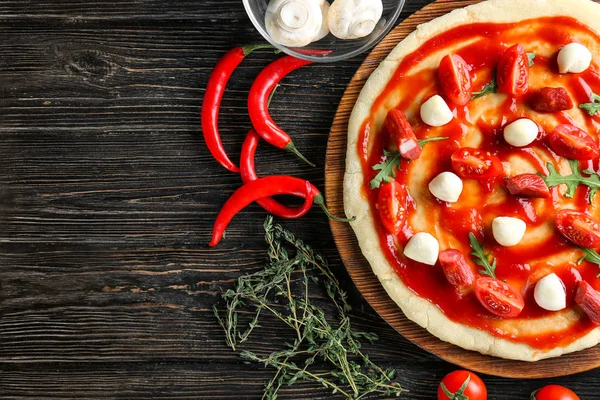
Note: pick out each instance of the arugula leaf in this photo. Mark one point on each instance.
(387, 169)
(572, 181)
(481, 258)
(491, 87)
(593, 107)
(423, 142)
(531, 56)
(590, 255)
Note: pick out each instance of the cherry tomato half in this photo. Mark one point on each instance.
(571, 142)
(455, 79)
(579, 228)
(392, 203)
(513, 71)
(474, 390)
(469, 163)
(498, 297)
(554, 392)
(397, 126)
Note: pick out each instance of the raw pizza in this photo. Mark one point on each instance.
(472, 171)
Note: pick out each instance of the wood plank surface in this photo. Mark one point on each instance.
(108, 195)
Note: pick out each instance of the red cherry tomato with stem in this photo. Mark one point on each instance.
(455, 79)
(579, 228)
(513, 71)
(460, 384)
(498, 297)
(469, 163)
(392, 203)
(554, 392)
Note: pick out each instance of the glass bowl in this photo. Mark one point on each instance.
(330, 48)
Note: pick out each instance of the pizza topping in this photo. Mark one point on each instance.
(455, 267)
(397, 126)
(387, 169)
(554, 178)
(527, 185)
(571, 142)
(491, 87)
(593, 107)
(469, 163)
(392, 203)
(455, 79)
(446, 187)
(513, 71)
(589, 300)
(498, 297)
(549, 100)
(423, 247)
(574, 58)
(508, 231)
(521, 132)
(531, 58)
(550, 294)
(435, 112)
(579, 228)
(481, 258)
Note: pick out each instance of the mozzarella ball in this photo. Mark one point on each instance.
(549, 293)
(574, 58)
(435, 112)
(521, 133)
(423, 247)
(508, 231)
(447, 186)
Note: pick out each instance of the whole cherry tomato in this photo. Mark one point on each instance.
(458, 384)
(392, 203)
(513, 71)
(469, 163)
(579, 228)
(397, 126)
(554, 392)
(498, 297)
(455, 79)
(571, 142)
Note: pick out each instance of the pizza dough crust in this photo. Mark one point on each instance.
(415, 308)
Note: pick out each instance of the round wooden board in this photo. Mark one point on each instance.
(359, 268)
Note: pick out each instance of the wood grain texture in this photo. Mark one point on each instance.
(359, 267)
(108, 195)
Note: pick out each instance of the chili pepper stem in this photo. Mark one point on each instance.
(292, 149)
(251, 47)
(320, 201)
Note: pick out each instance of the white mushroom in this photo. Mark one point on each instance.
(353, 19)
(324, 31)
(294, 22)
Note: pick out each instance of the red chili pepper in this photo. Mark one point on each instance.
(262, 188)
(248, 174)
(212, 101)
(258, 103)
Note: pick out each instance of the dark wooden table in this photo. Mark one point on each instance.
(108, 194)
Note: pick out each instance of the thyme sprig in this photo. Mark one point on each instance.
(572, 181)
(481, 258)
(282, 289)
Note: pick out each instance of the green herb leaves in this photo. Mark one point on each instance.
(593, 107)
(281, 290)
(491, 87)
(423, 142)
(460, 393)
(387, 169)
(481, 258)
(531, 57)
(573, 180)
